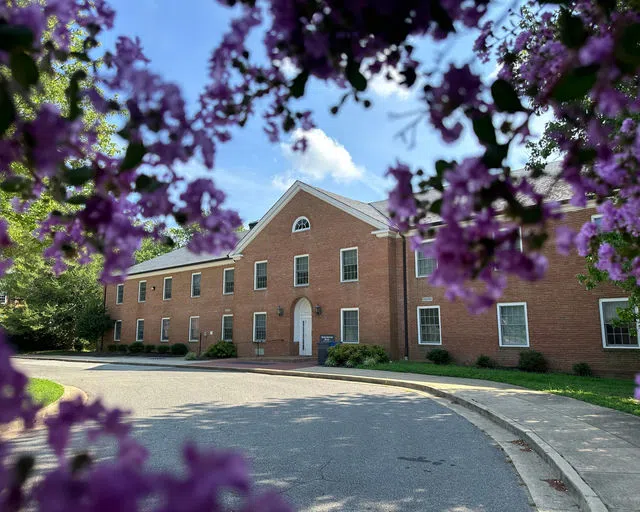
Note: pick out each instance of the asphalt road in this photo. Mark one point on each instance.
(326, 445)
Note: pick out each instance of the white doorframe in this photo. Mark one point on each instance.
(302, 326)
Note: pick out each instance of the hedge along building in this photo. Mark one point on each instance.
(321, 264)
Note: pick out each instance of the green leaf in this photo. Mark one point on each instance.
(436, 206)
(73, 94)
(77, 199)
(298, 84)
(134, 155)
(24, 69)
(23, 468)
(14, 184)
(356, 79)
(572, 31)
(7, 108)
(628, 47)
(505, 97)
(495, 155)
(575, 84)
(80, 462)
(442, 166)
(78, 176)
(484, 130)
(13, 37)
(145, 183)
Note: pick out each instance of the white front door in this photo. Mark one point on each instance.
(302, 326)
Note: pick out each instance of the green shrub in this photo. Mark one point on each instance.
(122, 348)
(439, 356)
(80, 345)
(582, 369)
(191, 356)
(532, 361)
(136, 348)
(163, 349)
(486, 362)
(149, 348)
(221, 350)
(179, 349)
(370, 361)
(330, 361)
(355, 355)
(112, 348)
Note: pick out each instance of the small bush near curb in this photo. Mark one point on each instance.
(439, 356)
(179, 349)
(532, 361)
(330, 361)
(354, 355)
(112, 348)
(123, 348)
(191, 356)
(221, 350)
(370, 361)
(485, 362)
(163, 349)
(136, 348)
(148, 349)
(582, 369)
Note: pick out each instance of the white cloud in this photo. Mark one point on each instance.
(384, 88)
(324, 158)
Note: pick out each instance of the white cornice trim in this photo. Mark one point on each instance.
(185, 268)
(385, 233)
(284, 200)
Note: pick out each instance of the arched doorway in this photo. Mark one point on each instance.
(302, 332)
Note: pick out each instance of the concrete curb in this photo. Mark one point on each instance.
(588, 499)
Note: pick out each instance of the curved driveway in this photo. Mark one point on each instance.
(326, 445)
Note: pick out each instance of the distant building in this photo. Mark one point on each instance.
(321, 264)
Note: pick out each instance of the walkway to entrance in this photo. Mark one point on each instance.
(277, 363)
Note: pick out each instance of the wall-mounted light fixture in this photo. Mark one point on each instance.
(318, 309)
(153, 288)
(280, 311)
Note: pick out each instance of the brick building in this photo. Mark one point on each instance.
(321, 264)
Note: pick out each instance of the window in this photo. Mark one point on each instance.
(164, 329)
(301, 224)
(425, 265)
(350, 325)
(429, 332)
(259, 327)
(597, 220)
(513, 328)
(228, 281)
(139, 329)
(117, 330)
(194, 328)
(142, 291)
(301, 270)
(614, 333)
(260, 276)
(349, 264)
(227, 327)
(3, 298)
(195, 284)
(119, 293)
(166, 288)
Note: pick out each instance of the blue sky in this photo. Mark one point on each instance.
(348, 154)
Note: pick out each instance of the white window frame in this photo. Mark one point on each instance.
(415, 257)
(295, 275)
(196, 274)
(189, 334)
(138, 320)
(342, 326)
(145, 291)
(357, 265)
(164, 287)
(161, 326)
(222, 328)
(420, 342)
(293, 227)
(526, 323)
(255, 275)
(115, 330)
(254, 326)
(603, 331)
(594, 218)
(118, 287)
(224, 280)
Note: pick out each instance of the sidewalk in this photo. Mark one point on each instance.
(595, 450)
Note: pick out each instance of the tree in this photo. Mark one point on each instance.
(170, 239)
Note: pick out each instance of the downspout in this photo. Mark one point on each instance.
(104, 311)
(404, 297)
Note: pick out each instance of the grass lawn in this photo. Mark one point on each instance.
(45, 391)
(613, 393)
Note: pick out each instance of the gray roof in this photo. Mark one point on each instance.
(181, 257)
(549, 185)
